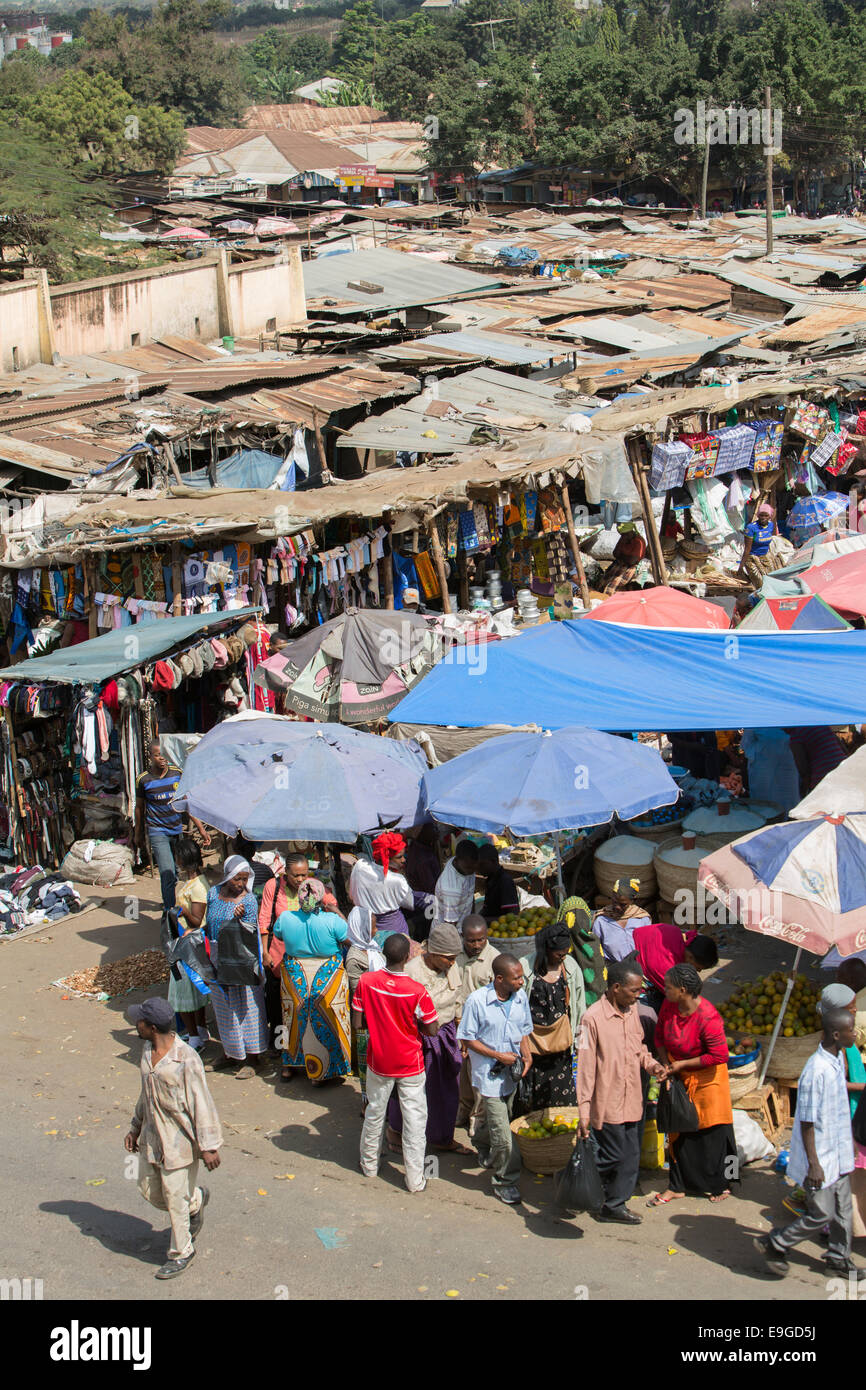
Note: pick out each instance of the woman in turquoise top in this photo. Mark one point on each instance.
(314, 988)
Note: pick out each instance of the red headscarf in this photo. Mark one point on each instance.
(386, 845)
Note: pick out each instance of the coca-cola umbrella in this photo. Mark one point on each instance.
(354, 668)
(803, 881)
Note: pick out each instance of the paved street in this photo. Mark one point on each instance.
(290, 1215)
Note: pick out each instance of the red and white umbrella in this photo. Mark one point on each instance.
(184, 234)
(276, 226)
(660, 606)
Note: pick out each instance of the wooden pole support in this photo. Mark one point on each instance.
(439, 562)
(575, 548)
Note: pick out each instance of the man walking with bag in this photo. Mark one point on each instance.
(495, 1027)
(395, 1011)
(611, 1053)
(175, 1123)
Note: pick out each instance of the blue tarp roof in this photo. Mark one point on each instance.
(123, 649)
(605, 676)
(251, 468)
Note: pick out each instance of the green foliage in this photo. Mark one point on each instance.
(45, 209)
(275, 63)
(92, 123)
(172, 60)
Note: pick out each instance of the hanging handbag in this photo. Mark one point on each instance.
(239, 960)
(553, 1037)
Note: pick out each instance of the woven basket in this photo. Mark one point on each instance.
(671, 877)
(546, 1156)
(514, 945)
(606, 874)
(649, 832)
(694, 550)
(790, 1055)
(742, 1081)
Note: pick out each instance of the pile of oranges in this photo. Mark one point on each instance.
(754, 1007)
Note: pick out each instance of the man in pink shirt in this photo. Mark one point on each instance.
(611, 1055)
(395, 1010)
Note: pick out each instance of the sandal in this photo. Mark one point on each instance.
(286, 1073)
(720, 1196)
(224, 1063)
(453, 1148)
(661, 1199)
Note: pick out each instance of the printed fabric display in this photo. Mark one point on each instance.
(810, 420)
(844, 454)
(669, 464)
(768, 444)
(824, 451)
(736, 448)
(705, 447)
(551, 511)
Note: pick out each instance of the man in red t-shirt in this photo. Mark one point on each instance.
(395, 1011)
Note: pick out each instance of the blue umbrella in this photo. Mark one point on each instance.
(531, 783)
(272, 778)
(810, 515)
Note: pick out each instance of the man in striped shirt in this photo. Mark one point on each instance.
(395, 1011)
(816, 751)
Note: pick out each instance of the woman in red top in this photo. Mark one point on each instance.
(690, 1037)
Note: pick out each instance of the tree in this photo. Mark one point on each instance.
(172, 60)
(355, 44)
(91, 120)
(46, 211)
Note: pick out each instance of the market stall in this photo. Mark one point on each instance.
(76, 722)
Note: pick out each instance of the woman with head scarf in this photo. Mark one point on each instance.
(315, 988)
(586, 947)
(554, 986)
(690, 1039)
(757, 562)
(381, 885)
(239, 1008)
(615, 923)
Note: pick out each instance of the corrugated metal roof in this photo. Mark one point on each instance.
(38, 459)
(499, 347)
(483, 396)
(406, 281)
(296, 116)
(330, 394)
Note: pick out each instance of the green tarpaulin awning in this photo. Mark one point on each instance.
(122, 649)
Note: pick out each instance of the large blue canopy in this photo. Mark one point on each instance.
(604, 676)
(122, 649)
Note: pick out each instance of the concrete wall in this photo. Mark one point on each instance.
(120, 311)
(19, 325)
(265, 293)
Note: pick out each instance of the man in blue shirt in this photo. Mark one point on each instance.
(495, 1027)
(822, 1155)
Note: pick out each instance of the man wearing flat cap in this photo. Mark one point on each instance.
(438, 972)
(174, 1125)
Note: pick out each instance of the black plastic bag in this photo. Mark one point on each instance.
(858, 1121)
(578, 1185)
(188, 948)
(239, 962)
(675, 1110)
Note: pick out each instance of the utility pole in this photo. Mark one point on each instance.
(705, 174)
(768, 105)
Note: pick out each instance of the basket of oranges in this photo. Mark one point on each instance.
(546, 1138)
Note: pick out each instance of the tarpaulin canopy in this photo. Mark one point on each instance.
(123, 649)
(248, 468)
(621, 678)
